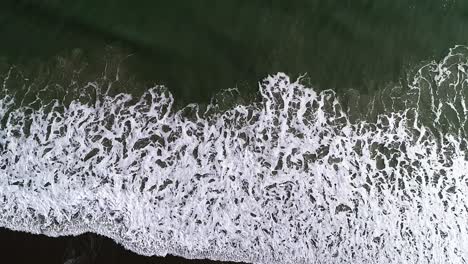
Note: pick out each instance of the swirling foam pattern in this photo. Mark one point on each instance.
(289, 179)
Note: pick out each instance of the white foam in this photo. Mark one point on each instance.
(287, 180)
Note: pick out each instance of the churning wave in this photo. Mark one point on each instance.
(295, 177)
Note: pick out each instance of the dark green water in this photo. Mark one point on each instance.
(197, 48)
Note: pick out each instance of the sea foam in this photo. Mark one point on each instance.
(291, 178)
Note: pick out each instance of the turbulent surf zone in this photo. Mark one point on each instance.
(298, 176)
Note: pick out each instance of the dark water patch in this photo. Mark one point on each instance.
(89, 248)
(196, 48)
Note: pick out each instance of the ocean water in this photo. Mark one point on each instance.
(198, 49)
(363, 160)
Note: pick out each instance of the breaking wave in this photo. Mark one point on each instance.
(298, 176)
